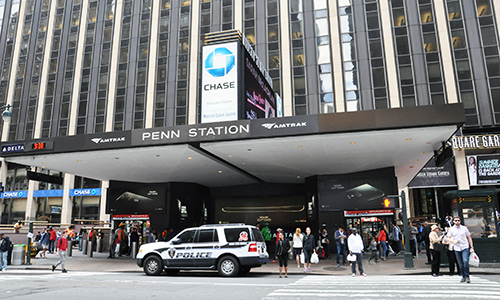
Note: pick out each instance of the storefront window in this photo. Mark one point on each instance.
(480, 220)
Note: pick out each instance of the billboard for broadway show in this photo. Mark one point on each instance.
(219, 92)
(483, 169)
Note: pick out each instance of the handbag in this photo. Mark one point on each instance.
(438, 247)
(351, 257)
(474, 259)
(314, 258)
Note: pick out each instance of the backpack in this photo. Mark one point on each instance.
(321, 252)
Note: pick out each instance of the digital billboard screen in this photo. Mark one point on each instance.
(136, 198)
(259, 99)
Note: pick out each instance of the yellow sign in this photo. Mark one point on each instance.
(474, 199)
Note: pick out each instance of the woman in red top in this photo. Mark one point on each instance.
(382, 240)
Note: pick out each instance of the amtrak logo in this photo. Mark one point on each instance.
(219, 62)
(171, 252)
(284, 125)
(108, 140)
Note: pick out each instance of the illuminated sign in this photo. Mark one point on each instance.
(13, 148)
(476, 142)
(219, 93)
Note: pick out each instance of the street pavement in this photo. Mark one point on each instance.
(125, 264)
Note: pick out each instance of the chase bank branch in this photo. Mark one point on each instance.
(296, 113)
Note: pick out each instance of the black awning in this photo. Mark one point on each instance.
(471, 193)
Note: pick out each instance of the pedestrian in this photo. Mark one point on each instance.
(5, 245)
(112, 244)
(170, 234)
(92, 238)
(340, 241)
(460, 236)
(122, 239)
(373, 247)
(450, 252)
(297, 245)
(419, 237)
(266, 233)
(413, 239)
(161, 237)
(325, 242)
(18, 226)
(309, 245)
(382, 241)
(151, 236)
(425, 237)
(80, 238)
(53, 239)
(38, 236)
(134, 238)
(62, 246)
(45, 241)
(435, 239)
(396, 234)
(355, 244)
(278, 231)
(282, 248)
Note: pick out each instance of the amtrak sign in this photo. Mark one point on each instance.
(219, 93)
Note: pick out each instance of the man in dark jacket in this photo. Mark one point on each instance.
(4, 250)
(134, 237)
(425, 237)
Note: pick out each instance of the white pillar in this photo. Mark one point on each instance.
(67, 201)
(30, 214)
(3, 179)
(103, 216)
(461, 170)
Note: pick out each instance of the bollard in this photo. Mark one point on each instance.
(98, 248)
(84, 246)
(134, 249)
(69, 252)
(89, 249)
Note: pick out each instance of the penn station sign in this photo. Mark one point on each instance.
(468, 142)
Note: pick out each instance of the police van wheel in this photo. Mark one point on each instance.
(228, 266)
(153, 266)
(171, 272)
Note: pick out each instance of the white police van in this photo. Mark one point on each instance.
(231, 249)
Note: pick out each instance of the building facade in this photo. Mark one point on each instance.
(77, 67)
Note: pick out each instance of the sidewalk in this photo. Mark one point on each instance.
(125, 264)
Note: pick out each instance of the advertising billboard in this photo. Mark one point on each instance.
(433, 176)
(136, 198)
(259, 98)
(483, 169)
(219, 91)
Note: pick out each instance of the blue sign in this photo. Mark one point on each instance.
(52, 193)
(220, 62)
(15, 194)
(85, 192)
(13, 148)
(48, 193)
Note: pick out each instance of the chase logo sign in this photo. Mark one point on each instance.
(219, 62)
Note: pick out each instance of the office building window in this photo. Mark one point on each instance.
(349, 57)
(298, 57)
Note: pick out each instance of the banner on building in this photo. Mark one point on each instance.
(483, 169)
(432, 176)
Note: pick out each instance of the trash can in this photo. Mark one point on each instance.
(19, 255)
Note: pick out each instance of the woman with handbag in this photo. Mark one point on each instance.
(309, 247)
(435, 247)
(282, 247)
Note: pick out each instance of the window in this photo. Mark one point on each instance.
(207, 236)
(237, 234)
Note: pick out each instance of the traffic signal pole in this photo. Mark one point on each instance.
(408, 256)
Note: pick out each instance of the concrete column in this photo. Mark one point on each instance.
(337, 64)
(30, 214)
(153, 60)
(3, 178)
(238, 15)
(45, 74)
(67, 201)
(78, 68)
(447, 62)
(103, 216)
(113, 68)
(461, 170)
(286, 61)
(13, 67)
(390, 55)
(194, 54)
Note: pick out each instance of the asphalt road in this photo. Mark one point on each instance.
(41, 285)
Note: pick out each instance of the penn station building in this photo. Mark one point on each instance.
(175, 113)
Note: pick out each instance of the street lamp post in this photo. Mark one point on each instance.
(408, 256)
